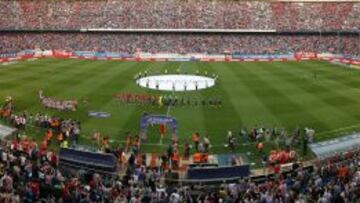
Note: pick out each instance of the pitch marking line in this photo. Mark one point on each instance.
(338, 130)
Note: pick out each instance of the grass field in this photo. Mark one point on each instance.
(283, 94)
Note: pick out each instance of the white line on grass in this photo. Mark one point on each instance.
(168, 111)
(338, 129)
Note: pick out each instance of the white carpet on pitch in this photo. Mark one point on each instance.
(176, 83)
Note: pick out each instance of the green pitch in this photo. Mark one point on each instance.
(283, 94)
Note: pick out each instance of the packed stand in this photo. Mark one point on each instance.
(289, 16)
(30, 173)
(182, 43)
(336, 179)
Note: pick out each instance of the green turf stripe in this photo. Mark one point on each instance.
(329, 76)
(346, 76)
(58, 82)
(281, 106)
(132, 118)
(293, 84)
(44, 74)
(36, 72)
(197, 120)
(126, 118)
(247, 99)
(29, 89)
(228, 116)
(100, 97)
(325, 89)
(250, 105)
(21, 68)
(46, 68)
(194, 121)
(94, 75)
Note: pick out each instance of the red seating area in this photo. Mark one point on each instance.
(190, 43)
(289, 16)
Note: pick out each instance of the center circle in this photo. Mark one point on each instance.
(176, 82)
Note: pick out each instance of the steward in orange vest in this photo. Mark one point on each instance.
(60, 137)
(49, 135)
(197, 158)
(175, 159)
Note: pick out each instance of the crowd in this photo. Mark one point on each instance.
(336, 179)
(30, 173)
(178, 43)
(288, 16)
(65, 129)
(280, 136)
(59, 129)
(61, 105)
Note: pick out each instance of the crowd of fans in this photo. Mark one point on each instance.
(30, 173)
(65, 129)
(186, 43)
(58, 130)
(180, 14)
(202, 14)
(336, 179)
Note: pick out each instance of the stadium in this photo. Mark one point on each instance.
(180, 101)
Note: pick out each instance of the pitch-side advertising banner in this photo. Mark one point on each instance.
(261, 56)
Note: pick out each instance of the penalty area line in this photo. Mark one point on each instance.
(337, 130)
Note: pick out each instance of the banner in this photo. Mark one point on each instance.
(237, 55)
(62, 53)
(99, 114)
(147, 120)
(305, 55)
(85, 54)
(8, 55)
(157, 119)
(101, 54)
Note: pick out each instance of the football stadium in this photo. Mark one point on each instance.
(180, 101)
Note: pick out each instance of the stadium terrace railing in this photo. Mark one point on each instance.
(255, 178)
